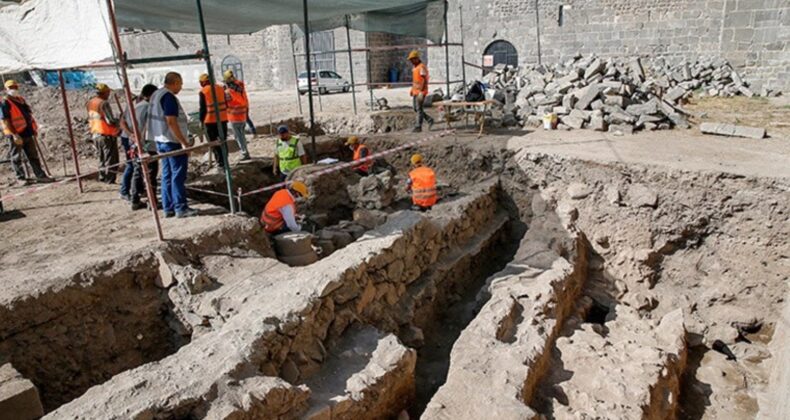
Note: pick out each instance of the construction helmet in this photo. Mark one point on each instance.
(101, 87)
(413, 54)
(10, 83)
(352, 140)
(203, 78)
(416, 159)
(301, 188)
(228, 75)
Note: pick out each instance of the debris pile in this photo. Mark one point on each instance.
(614, 94)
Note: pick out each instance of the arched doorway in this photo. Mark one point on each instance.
(500, 52)
(231, 62)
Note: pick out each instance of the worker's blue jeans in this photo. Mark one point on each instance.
(174, 175)
(128, 170)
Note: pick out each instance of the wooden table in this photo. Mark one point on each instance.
(480, 114)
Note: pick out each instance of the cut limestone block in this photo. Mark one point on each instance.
(19, 398)
(731, 130)
(299, 260)
(367, 375)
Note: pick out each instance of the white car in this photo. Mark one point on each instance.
(328, 81)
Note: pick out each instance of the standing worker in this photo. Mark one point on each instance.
(238, 108)
(419, 90)
(167, 125)
(279, 215)
(104, 128)
(19, 128)
(361, 151)
(135, 184)
(209, 116)
(421, 184)
(289, 153)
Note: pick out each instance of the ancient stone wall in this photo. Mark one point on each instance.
(751, 34)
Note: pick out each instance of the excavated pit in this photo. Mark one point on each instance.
(541, 287)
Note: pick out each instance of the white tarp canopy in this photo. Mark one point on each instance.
(53, 34)
(60, 34)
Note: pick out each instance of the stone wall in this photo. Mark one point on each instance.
(752, 34)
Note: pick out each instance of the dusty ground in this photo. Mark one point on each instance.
(714, 242)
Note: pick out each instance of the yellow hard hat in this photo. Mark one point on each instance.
(416, 159)
(203, 77)
(228, 74)
(10, 83)
(413, 54)
(301, 188)
(352, 140)
(101, 87)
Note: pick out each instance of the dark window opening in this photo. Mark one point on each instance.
(500, 52)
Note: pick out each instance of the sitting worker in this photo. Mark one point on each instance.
(421, 184)
(279, 214)
(289, 153)
(360, 152)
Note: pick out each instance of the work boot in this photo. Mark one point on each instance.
(21, 182)
(417, 130)
(430, 124)
(187, 213)
(246, 157)
(137, 205)
(45, 180)
(125, 197)
(169, 214)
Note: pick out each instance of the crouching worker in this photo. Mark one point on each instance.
(279, 215)
(421, 184)
(360, 152)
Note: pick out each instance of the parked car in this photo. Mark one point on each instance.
(328, 81)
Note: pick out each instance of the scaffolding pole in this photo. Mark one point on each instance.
(213, 82)
(72, 143)
(296, 69)
(309, 79)
(370, 74)
(446, 50)
(463, 48)
(351, 67)
(137, 133)
(537, 28)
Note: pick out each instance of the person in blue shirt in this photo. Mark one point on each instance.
(167, 124)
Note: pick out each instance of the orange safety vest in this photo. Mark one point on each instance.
(417, 80)
(238, 104)
(211, 116)
(17, 118)
(271, 217)
(423, 186)
(96, 118)
(365, 166)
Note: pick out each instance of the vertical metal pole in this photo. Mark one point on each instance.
(222, 134)
(370, 73)
(138, 139)
(446, 50)
(71, 129)
(296, 69)
(309, 79)
(351, 68)
(463, 46)
(537, 28)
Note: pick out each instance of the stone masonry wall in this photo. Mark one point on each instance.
(752, 34)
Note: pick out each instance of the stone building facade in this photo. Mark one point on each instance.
(752, 34)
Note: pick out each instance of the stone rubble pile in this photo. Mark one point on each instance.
(614, 94)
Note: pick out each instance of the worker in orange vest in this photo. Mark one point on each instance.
(279, 215)
(19, 128)
(421, 184)
(361, 151)
(208, 114)
(238, 108)
(419, 89)
(105, 130)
